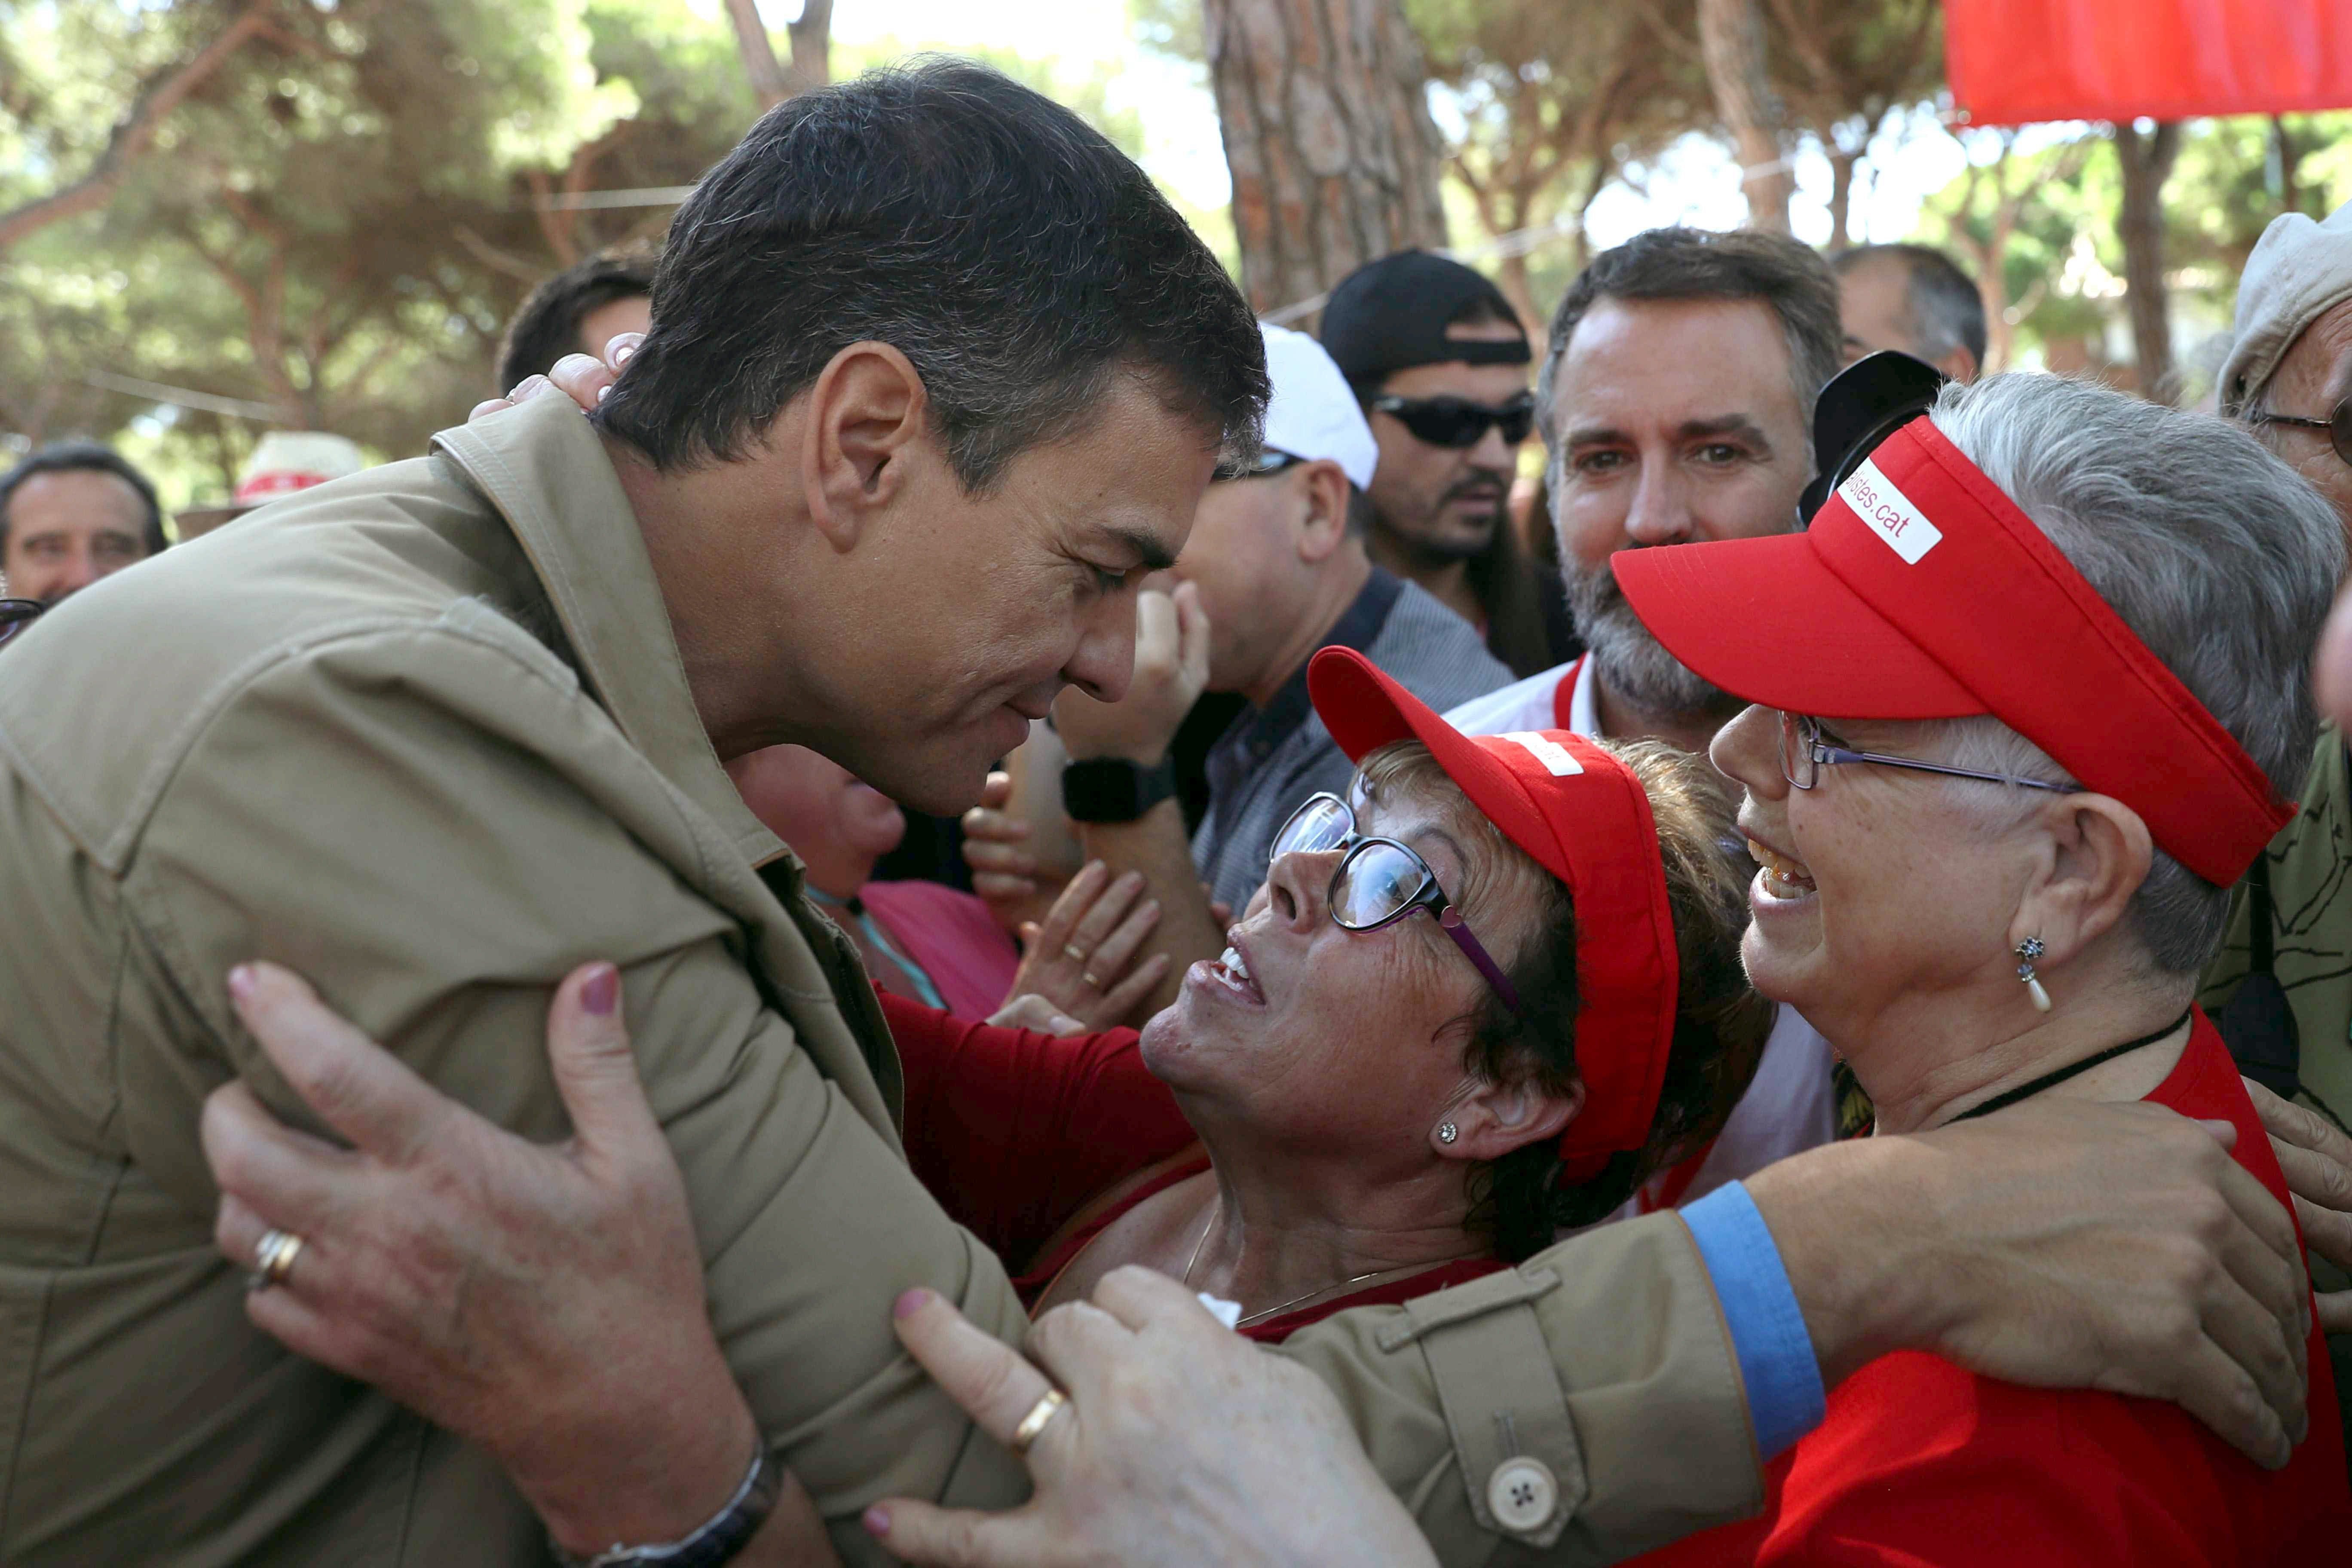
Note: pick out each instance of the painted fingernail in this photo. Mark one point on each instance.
(910, 1303)
(877, 1520)
(604, 392)
(241, 981)
(601, 992)
(623, 354)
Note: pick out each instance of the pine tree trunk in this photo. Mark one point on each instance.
(1335, 159)
(2147, 162)
(1731, 41)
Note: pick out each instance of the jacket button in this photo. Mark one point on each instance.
(1522, 1492)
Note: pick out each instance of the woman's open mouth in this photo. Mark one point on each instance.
(1779, 877)
(1230, 970)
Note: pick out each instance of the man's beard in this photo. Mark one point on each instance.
(1636, 667)
(1431, 547)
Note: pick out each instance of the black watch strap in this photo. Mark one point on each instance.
(723, 1535)
(1112, 789)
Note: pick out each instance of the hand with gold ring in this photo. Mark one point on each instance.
(1082, 960)
(1177, 1443)
(1049, 1404)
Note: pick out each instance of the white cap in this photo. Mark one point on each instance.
(2299, 271)
(1312, 412)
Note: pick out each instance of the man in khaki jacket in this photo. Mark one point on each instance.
(433, 736)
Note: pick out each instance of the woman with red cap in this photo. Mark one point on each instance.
(1480, 1000)
(2029, 696)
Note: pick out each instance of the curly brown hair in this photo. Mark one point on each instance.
(1720, 1021)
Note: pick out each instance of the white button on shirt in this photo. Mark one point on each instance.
(1522, 1492)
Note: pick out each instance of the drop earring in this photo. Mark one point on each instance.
(2027, 952)
(1446, 1133)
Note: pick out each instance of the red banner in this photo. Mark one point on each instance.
(2014, 60)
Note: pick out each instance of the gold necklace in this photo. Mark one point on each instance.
(1321, 1290)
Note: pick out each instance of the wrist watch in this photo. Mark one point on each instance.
(1112, 789)
(720, 1537)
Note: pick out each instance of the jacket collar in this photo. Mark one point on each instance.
(544, 468)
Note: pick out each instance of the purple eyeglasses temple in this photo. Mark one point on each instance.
(1450, 921)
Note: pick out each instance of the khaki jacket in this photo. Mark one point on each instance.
(424, 736)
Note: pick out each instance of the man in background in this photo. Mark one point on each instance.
(1913, 298)
(577, 311)
(1277, 568)
(1438, 361)
(1677, 404)
(72, 512)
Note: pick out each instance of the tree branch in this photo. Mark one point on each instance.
(157, 97)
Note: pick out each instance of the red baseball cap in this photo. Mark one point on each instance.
(1920, 591)
(1585, 818)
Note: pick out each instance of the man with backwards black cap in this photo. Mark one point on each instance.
(1439, 361)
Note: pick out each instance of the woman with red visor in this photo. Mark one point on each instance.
(2031, 693)
(1481, 1000)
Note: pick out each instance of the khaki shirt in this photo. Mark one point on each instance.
(424, 736)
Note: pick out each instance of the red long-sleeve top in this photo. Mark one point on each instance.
(1919, 1463)
(1018, 1133)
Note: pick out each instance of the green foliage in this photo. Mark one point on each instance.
(2062, 267)
(338, 221)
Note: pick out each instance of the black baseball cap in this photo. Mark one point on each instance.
(1390, 315)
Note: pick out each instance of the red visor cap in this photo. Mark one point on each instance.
(1585, 818)
(1920, 591)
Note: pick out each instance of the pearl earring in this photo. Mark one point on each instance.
(1447, 1133)
(2027, 952)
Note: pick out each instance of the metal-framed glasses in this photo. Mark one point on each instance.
(2338, 426)
(1379, 882)
(1805, 751)
(16, 614)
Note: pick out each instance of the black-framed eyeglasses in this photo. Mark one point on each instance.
(1379, 882)
(16, 614)
(1458, 422)
(2338, 426)
(1804, 753)
(1268, 462)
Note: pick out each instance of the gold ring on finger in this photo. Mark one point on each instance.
(1074, 952)
(1092, 981)
(1044, 1411)
(273, 1257)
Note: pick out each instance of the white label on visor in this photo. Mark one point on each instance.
(1889, 512)
(1555, 757)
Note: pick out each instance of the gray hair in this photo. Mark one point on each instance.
(1942, 307)
(2212, 550)
(1784, 274)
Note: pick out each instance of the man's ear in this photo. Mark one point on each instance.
(1494, 1118)
(1323, 487)
(2096, 855)
(862, 423)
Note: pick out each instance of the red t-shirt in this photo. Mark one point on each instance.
(1920, 1463)
(1016, 1132)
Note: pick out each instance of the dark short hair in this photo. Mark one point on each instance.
(1014, 254)
(85, 456)
(1944, 308)
(547, 327)
(1694, 264)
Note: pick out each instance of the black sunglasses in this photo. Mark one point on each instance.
(2338, 426)
(1458, 422)
(16, 614)
(1268, 462)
